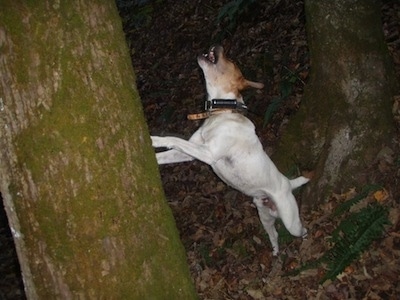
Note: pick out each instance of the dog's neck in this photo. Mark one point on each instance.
(216, 94)
(219, 98)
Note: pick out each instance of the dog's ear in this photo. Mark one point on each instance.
(257, 85)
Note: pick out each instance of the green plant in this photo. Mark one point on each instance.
(354, 235)
(271, 109)
(345, 206)
(284, 236)
(205, 253)
(289, 79)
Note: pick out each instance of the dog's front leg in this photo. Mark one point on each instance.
(172, 156)
(198, 151)
(268, 222)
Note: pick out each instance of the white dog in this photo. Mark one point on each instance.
(227, 142)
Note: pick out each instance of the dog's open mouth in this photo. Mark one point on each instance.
(210, 56)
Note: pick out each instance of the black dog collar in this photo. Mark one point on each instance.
(223, 103)
(217, 106)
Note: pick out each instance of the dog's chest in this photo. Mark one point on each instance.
(228, 125)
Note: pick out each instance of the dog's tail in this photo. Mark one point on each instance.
(299, 181)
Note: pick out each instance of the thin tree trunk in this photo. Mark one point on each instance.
(345, 117)
(77, 171)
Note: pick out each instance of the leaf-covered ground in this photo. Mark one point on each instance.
(228, 251)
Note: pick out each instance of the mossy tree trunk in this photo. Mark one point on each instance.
(78, 175)
(345, 116)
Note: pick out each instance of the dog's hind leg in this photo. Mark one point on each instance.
(268, 221)
(289, 214)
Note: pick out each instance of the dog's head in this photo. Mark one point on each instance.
(223, 78)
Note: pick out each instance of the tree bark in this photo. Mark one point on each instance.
(345, 117)
(78, 175)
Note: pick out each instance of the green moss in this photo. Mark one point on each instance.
(88, 152)
(14, 25)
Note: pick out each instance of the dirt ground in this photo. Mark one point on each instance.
(228, 252)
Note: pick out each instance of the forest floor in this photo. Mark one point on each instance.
(227, 249)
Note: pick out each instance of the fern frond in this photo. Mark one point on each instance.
(349, 203)
(352, 237)
(271, 109)
(361, 229)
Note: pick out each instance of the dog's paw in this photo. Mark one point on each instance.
(304, 233)
(157, 141)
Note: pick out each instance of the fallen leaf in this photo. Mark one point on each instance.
(255, 294)
(257, 240)
(381, 195)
